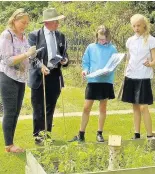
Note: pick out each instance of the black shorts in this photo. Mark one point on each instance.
(99, 91)
(137, 91)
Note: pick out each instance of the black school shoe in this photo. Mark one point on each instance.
(136, 136)
(100, 138)
(39, 140)
(78, 139)
(42, 138)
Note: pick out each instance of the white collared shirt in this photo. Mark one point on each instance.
(139, 52)
(47, 34)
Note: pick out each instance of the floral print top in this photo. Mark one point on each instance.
(10, 46)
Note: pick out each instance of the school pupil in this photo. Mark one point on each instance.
(99, 88)
(139, 72)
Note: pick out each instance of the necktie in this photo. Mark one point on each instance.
(53, 45)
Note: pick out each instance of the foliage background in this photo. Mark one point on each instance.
(82, 18)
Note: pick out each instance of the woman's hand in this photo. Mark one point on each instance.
(19, 58)
(31, 51)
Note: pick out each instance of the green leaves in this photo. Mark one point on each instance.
(82, 19)
(75, 158)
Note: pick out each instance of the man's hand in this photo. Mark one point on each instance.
(64, 61)
(45, 70)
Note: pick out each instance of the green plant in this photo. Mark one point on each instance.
(73, 158)
(91, 157)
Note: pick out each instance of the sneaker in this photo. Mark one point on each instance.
(150, 138)
(99, 138)
(77, 138)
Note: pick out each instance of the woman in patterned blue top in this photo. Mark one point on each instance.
(99, 88)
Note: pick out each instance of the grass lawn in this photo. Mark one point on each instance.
(15, 164)
(73, 100)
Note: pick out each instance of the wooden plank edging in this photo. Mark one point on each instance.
(33, 167)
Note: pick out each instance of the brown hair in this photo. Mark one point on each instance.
(18, 14)
(103, 31)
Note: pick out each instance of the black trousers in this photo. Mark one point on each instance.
(52, 88)
(12, 93)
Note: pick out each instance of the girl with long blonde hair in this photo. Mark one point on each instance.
(139, 72)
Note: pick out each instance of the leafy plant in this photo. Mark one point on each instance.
(92, 157)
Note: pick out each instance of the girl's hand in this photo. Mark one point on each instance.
(147, 63)
(84, 73)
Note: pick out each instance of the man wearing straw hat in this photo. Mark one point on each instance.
(45, 76)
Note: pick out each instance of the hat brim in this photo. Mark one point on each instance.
(54, 19)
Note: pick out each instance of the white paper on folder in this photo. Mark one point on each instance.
(113, 62)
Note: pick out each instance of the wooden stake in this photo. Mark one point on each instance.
(115, 148)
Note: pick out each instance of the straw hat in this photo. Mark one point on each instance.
(51, 15)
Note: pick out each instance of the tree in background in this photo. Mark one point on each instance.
(82, 17)
(33, 8)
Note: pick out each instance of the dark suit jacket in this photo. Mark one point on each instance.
(38, 38)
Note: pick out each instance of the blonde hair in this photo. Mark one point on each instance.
(139, 17)
(103, 31)
(18, 14)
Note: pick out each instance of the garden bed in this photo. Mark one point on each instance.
(90, 158)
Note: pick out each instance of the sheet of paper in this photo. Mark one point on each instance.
(113, 62)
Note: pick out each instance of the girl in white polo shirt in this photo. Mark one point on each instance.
(139, 72)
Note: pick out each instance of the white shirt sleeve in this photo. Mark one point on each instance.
(151, 42)
(128, 42)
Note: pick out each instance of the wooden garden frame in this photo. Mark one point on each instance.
(33, 167)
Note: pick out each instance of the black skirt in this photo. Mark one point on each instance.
(99, 91)
(137, 91)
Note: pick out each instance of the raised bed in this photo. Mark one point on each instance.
(33, 166)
